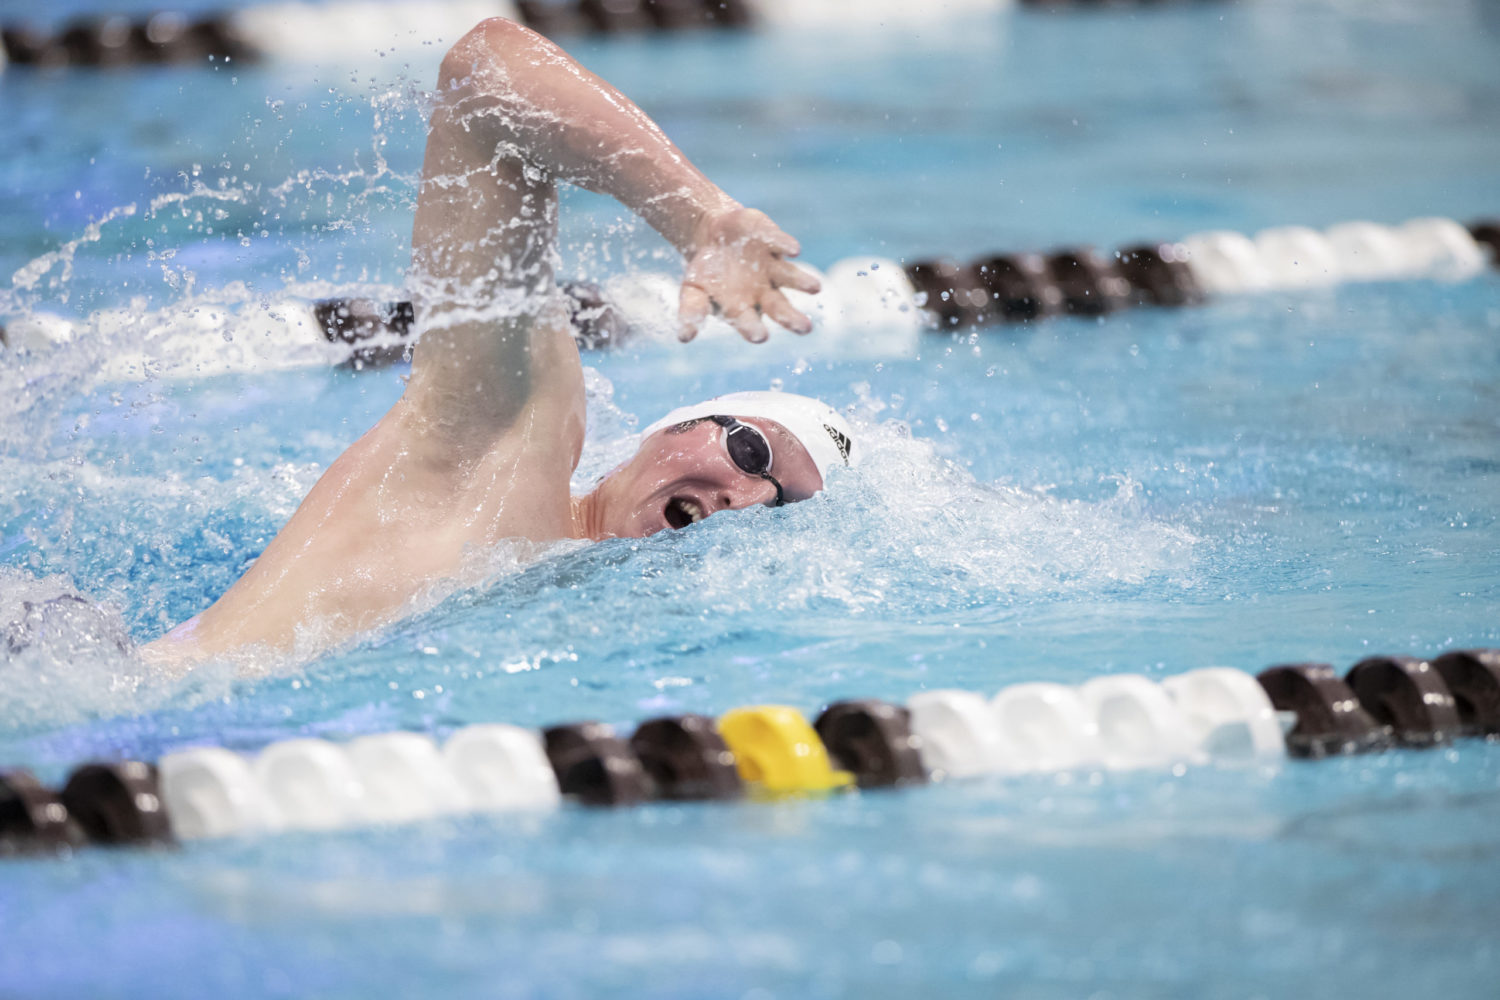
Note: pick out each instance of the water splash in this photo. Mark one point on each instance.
(65, 658)
(906, 539)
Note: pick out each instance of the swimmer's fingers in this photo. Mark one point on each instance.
(748, 323)
(775, 305)
(781, 242)
(787, 275)
(756, 225)
(692, 310)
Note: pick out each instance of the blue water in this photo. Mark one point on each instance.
(1291, 476)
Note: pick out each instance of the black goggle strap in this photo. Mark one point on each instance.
(780, 496)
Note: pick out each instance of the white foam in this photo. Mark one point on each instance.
(648, 300)
(37, 331)
(1004, 542)
(65, 657)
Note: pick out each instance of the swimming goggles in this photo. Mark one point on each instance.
(749, 450)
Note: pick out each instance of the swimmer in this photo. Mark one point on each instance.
(481, 446)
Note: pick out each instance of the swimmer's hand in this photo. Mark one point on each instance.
(736, 268)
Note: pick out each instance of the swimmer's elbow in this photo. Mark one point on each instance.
(495, 42)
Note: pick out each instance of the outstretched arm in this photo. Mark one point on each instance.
(515, 114)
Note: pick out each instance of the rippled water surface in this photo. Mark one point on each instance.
(1291, 476)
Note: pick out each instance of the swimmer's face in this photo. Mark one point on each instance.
(685, 473)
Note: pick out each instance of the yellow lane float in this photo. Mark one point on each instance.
(777, 751)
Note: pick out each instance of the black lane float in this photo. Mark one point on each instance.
(1330, 718)
(873, 741)
(32, 817)
(1473, 679)
(1408, 697)
(595, 766)
(686, 759)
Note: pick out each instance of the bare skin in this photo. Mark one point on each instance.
(483, 442)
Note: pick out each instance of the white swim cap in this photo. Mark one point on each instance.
(819, 428)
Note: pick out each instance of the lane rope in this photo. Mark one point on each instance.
(360, 28)
(1018, 287)
(115, 40)
(880, 304)
(943, 294)
(1123, 722)
(300, 31)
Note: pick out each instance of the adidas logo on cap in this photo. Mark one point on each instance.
(840, 441)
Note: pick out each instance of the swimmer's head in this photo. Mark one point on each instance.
(726, 453)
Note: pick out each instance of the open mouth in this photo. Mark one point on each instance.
(681, 512)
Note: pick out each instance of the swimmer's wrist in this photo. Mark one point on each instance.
(699, 225)
(688, 229)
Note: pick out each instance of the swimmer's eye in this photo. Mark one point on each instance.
(750, 451)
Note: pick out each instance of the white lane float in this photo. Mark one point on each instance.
(874, 291)
(1441, 248)
(1285, 257)
(876, 308)
(501, 767)
(1297, 257)
(1045, 727)
(1139, 724)
(1226, 263)
(312, 783)
(213, 792)
(1368, 252)
(960, 737)
(405, 778)
(825, 309)
(1229, 717)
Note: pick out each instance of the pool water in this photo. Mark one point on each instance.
(1291, 476)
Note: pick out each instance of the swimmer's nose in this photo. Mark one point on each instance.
(747, 494)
